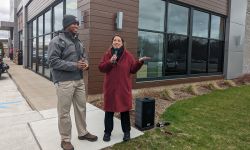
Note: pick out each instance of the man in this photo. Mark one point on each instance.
(67, 60)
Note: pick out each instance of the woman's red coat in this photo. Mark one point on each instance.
(117, 87)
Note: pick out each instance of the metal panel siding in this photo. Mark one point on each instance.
(246, 59)
(36, 6)
(235, 53)
(218, 6)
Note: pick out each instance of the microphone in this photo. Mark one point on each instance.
(115, 53)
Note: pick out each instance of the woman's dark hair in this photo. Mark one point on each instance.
(123, 43)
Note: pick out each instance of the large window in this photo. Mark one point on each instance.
(45, 58)
(20, 40)
(34, 46)
(215, 61)
(71, 6)
(151, 44)
(34, 54)
(58, 16)
(47, 23)
(199, 55)
(200, 24)
(177, 19)
(30, 43)
(181, 40)
(40, 55)
(215, 56)
(177, 40)
(217, 27)
(40, 45)
(151, 15)
(207, 49)
(41, 29)
(176, 55)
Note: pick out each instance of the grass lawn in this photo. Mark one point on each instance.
(219, 120)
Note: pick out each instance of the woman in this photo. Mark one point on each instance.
(118, 64)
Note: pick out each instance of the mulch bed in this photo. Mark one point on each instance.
(203, 89)
(223, 84)
(244, 79)
(179, 93)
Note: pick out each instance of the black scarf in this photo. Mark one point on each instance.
(118, 51)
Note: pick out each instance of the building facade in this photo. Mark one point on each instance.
(188, 40)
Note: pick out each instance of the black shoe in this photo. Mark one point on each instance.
(106, 137)
(126, 136)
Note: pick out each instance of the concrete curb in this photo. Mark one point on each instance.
(23, 93)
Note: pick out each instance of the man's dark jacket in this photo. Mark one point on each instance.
(63, 53)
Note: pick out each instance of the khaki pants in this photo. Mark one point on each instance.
(71, 92)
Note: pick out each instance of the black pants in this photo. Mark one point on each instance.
(109, 122)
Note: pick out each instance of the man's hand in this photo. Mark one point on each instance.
(85, 66)
(81, 65)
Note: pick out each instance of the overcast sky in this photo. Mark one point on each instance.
(4, 16)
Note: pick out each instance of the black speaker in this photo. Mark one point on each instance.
(144, 113)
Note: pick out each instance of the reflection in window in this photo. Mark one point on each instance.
(58, 17)
(71, 7)
(40, 55)
(47, 26)
(45, 60)
(30, 43)
(151, 15)
(169, 39)
(200, 24)
(30, 54)
(34, 28)
(34, 55)
(40, 25)
(217, 27)
(199, 56)
(177, 19)
(21, 40)
(151, 45)
(215, 56)
(176, 57)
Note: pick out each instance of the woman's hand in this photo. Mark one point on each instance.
(144, 58)
(113, 59)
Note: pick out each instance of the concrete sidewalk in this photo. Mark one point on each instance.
(41, 96)
(38, 91)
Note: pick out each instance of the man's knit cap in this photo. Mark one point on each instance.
(68, 20)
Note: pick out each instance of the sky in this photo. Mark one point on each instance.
(4, 15)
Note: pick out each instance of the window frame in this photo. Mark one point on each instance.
(190, 37)
(37, 36)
